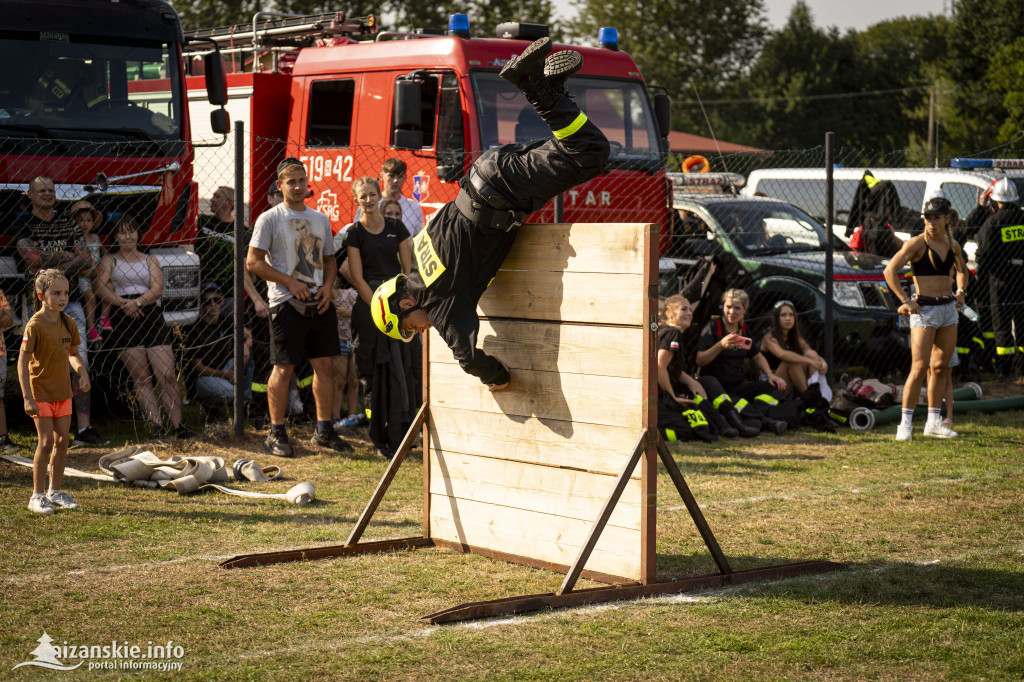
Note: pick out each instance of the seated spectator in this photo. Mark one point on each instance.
(210, 349)
(788, 355)
(132, 282)
(723, 347)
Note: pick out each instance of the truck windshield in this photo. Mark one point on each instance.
(70, 89)
(620, 108)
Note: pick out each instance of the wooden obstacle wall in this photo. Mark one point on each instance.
(523, 473)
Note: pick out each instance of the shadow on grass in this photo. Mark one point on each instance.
(891, 584)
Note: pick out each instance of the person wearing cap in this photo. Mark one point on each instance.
(210, 351)
(88, 220)
(1000, 258)
(303, 322)
(462, 247)
(932, 255)
(46, 240)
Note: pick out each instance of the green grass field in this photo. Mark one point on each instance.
(932, 533)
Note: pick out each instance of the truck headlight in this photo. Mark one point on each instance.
(846, 294)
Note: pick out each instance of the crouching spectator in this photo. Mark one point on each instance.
(210, 346)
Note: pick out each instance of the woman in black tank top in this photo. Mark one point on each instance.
(789, 356)
(933, 256)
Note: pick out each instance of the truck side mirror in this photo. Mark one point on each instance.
(220, 123)
(663, 112)
(407, 132)
(216, 81)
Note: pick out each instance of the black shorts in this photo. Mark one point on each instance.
(148, 331)
(294, 336)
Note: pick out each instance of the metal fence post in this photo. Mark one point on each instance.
(238, 284)
(829, 219)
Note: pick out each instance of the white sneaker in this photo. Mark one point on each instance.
(39, 504)
(903, 432)
(61, 500)
(939, 430)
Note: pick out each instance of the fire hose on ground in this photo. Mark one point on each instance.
(967, 399)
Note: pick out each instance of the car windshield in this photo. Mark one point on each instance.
(67, 89)
(619, 108)
(762, 227)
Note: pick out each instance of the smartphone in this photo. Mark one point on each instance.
(743, 342)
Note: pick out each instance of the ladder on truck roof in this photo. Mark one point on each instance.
(277, 32)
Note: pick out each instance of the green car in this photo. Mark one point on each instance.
(776, 252)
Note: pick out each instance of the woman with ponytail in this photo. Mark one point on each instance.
(933, 310)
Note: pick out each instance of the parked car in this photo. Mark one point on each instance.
(775, 251)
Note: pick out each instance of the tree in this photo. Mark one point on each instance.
(682, 45)
(980, 30)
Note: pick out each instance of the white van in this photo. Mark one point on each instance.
(964, 183)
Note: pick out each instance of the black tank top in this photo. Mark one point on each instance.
(925, 266)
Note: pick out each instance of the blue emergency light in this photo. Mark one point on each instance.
(966, 163)
(458, 25)
(970, 163)
(608, 38)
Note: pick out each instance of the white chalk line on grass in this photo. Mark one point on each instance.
(35, 577)
(811, 494)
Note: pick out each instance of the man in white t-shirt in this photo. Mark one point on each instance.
(393, 176)
(292, 248)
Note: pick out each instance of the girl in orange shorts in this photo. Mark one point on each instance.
(50, 342)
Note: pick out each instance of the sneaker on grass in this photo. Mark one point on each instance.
(278, 445)
(39, 504)
(939, 430)
(331, 441)
(904, 432)
(89, 436)
(61, 500)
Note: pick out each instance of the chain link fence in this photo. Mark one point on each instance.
(758, 216)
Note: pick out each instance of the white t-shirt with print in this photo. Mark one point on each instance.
(296, 243)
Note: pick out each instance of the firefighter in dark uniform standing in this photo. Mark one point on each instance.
(461, 249)
(1001, 257)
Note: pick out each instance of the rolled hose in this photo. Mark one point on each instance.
(863, 419)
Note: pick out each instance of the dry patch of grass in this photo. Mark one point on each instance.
(930, 531)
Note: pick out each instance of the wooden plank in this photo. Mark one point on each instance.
(553, 397)
(560, 492)
(566, 297)
(552, 347)
(592, 447)
(528, 533)
(649, 355)
(580, 247)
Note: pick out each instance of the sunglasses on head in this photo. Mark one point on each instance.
(779, 304)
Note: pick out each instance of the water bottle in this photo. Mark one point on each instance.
(970, 313)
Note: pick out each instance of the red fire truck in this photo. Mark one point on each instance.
(305, 87)
(93, 96)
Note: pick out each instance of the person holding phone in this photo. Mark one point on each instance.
(722, 349)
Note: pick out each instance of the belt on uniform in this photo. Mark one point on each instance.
(935, 300)
(486, 215)
(495, 211)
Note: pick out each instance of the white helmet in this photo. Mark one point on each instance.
(1005, 191)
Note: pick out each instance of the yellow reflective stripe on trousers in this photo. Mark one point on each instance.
(305, 382)
(963, 351)
(978, 341)
(572, 127)
(724, 398)
(670, 435)
(765, 398)
(740, 404)
(1005, 350)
